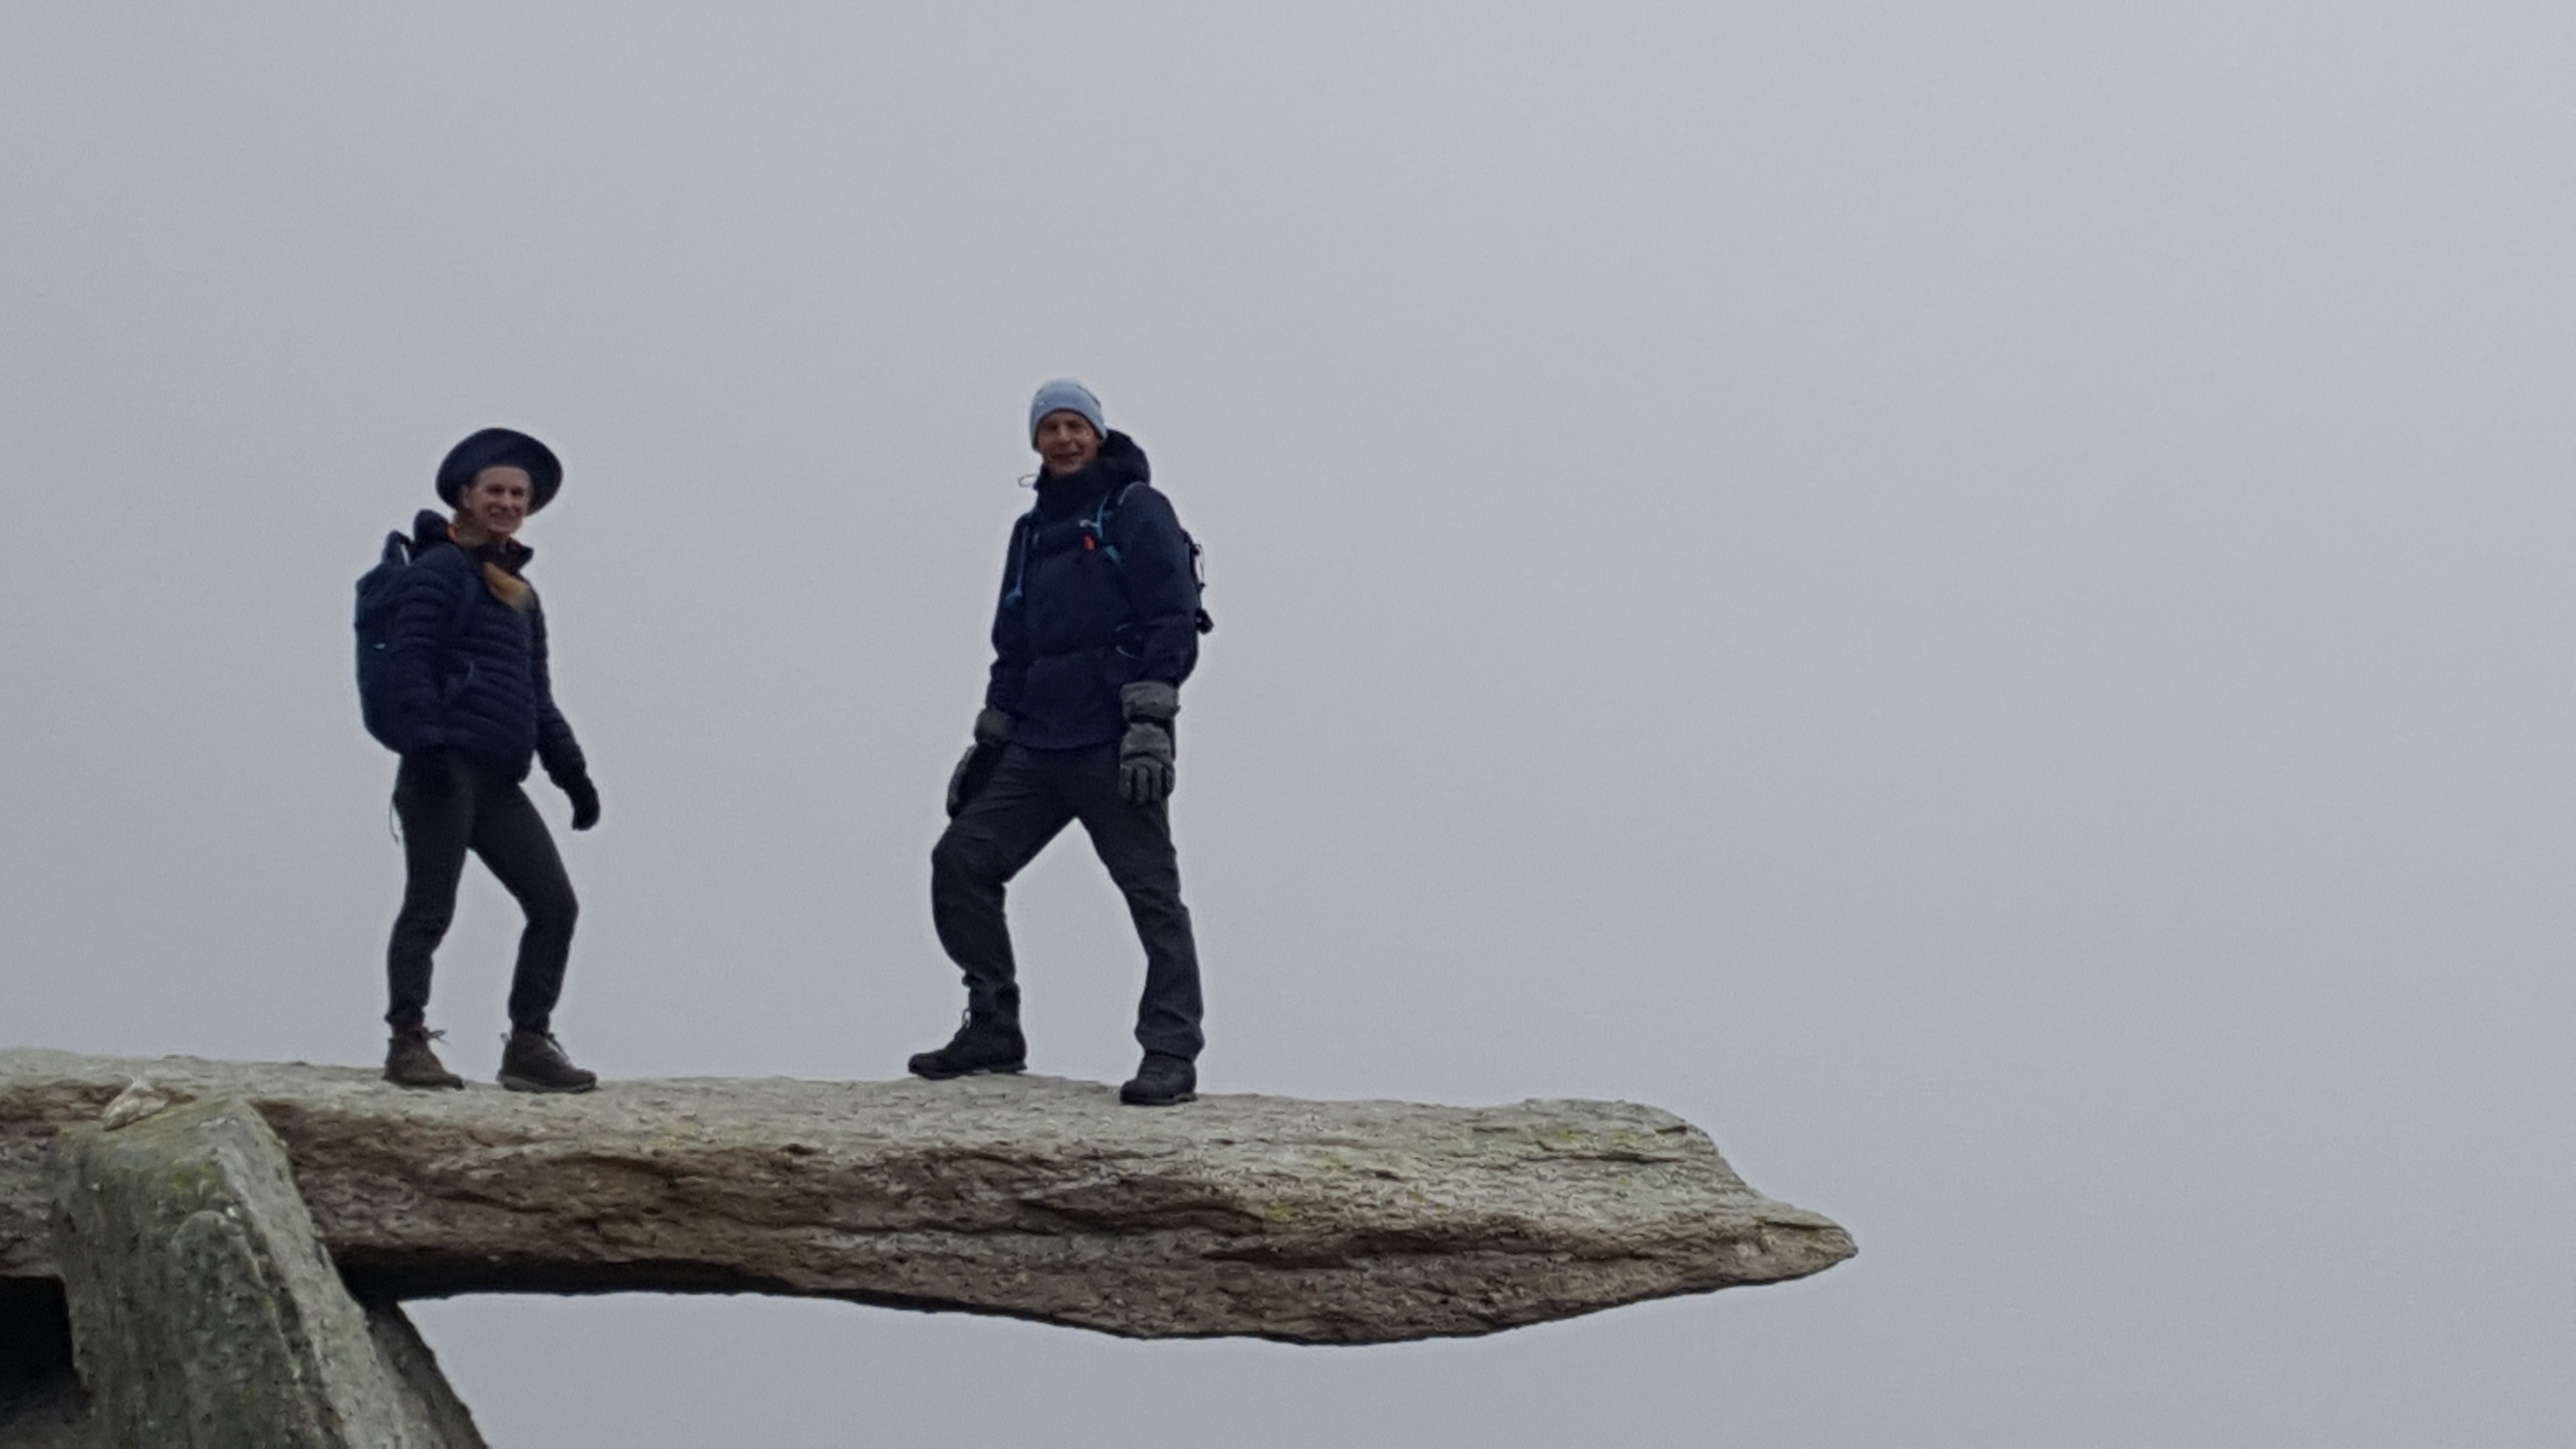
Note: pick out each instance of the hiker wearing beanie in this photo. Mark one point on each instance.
(463, 695)
(1097, 628)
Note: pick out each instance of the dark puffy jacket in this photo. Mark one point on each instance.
(486, 694)
(1083, 613)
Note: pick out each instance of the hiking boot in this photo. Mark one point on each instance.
(1163, 1080)
(977, 1048)
(409, 1062)
(533, 1061)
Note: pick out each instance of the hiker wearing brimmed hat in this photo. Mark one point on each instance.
(453, 677)
(1097, 628)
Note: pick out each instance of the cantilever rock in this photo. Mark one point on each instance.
(1309, 1222)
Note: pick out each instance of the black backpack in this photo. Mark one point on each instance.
(1096, 534)
(377, 591)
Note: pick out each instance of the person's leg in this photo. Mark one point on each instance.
(998, 834)
(434, 797)
(1135, 843)
(512, 839)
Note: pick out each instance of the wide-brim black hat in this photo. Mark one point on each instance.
(500, 448)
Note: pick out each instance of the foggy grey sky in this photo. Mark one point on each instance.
(1972, 598)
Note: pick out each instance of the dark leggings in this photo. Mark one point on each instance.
(449, 806)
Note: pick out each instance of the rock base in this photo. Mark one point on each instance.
(203, 1309)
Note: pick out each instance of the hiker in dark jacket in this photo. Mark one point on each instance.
(472, 704)
(1097, 628)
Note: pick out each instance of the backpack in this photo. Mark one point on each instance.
(378, 589)
(1095, 534)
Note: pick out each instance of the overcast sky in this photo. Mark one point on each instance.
(1971, 597)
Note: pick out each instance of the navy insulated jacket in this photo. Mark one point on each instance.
(1083, 612)
(487, 694)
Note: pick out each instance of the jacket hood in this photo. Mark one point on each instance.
(1119, 453)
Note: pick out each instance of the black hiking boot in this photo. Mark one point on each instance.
(533, 1061)
(1163, 1080)
(409, 1062)
(977, 1048)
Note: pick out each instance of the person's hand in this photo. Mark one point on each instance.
(975, 768)
(1145, 774)
(966, 782)
(585, 801)
(1145, 765)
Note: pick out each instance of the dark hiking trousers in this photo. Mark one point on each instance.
(1032, 796)
(448, 806)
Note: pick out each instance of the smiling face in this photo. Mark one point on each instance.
(496, 502)
(1066, 441)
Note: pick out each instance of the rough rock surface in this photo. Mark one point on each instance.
(1309, 1222)
(203, 1310)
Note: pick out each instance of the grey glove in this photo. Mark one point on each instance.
(1145, 751)
(975, 771)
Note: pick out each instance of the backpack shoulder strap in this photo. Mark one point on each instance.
(1198, 570)
(465, 605)
(1106, 509)
(465, 602)
(1024, 531)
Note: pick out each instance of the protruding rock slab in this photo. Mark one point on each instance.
(1309, 1222)
(205, 1313)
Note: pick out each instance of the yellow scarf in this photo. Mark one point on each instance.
(504, 583)
(508, 587)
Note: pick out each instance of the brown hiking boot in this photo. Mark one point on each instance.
(533, 1061)
(409, 1062)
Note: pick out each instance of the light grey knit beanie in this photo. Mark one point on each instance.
(1064, 395)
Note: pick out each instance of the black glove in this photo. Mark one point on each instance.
(1145, 751)
(585, 801)
(975, 771)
